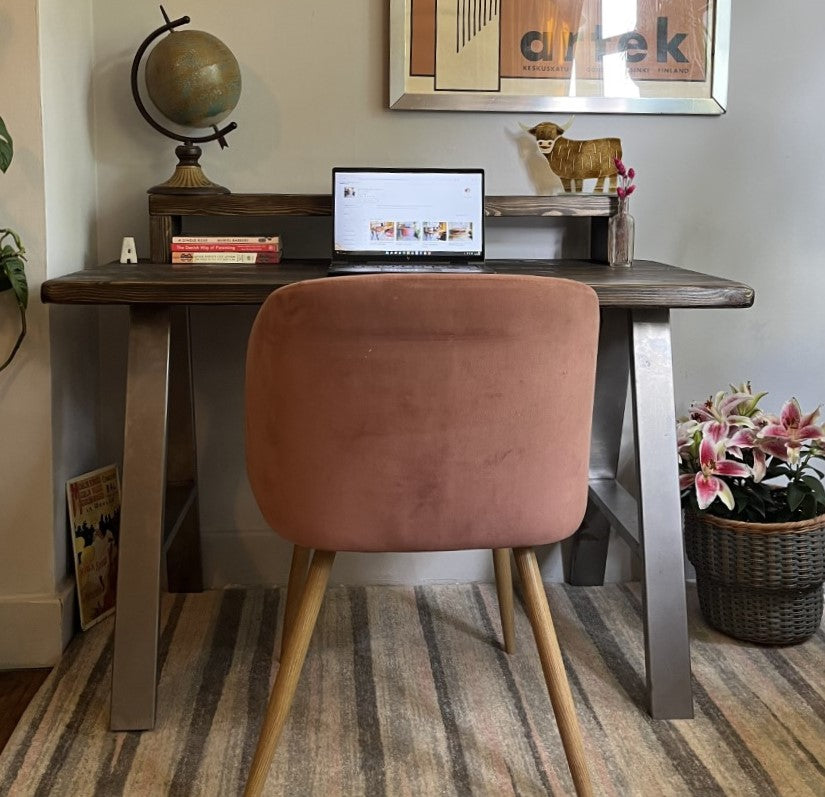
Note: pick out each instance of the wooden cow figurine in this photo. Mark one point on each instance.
(576, 161)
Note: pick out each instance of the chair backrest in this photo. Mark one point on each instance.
(422, 412)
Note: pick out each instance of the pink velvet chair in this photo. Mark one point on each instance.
(421, 413)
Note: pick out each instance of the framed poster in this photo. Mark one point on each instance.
(572, 56)
(94, 517)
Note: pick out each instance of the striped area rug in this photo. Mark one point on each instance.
(406, 691)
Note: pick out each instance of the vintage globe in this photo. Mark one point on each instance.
(193, 78)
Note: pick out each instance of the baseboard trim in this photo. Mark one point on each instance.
(35, 629)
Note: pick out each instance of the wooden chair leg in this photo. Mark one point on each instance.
(290, 670)
(504, 587)
(295, 586)
(552, 664)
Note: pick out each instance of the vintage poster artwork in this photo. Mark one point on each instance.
(490, 49)
(94, 519)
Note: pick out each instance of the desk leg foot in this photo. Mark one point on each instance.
(588, 547)
(134, 669)
(667, 649)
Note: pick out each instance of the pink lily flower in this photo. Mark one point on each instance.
(686, 431)
(713, 464)
(716, 432)
(686, 428)
(789, 431)
(750, 407)
(741, 438)
(719, 431)
(724, 407)
(775, 448)
(760, 465)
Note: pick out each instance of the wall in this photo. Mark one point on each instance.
(36, 597)
(743, 198)
(27, 570)
(71, 239)
(737, 196)
(30, 599)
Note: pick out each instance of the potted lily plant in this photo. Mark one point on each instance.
(754, 514)
(12, 254)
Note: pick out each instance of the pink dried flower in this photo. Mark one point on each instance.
(626, 176)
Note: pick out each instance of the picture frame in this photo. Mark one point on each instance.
(565, 56)
(94, 521)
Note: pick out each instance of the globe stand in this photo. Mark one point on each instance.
(188, 177)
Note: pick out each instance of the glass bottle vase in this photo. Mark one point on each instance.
(621, 232)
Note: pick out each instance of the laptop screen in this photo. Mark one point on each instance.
(408, 214)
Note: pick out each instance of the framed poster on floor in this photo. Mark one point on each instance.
(94, 520)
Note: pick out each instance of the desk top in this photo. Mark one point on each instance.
(645, 284)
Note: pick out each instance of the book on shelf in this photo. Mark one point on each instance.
(94, 517)
(236, 247)
(226, 257)
(227, 239)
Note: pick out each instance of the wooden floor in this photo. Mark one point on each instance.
(17, 688)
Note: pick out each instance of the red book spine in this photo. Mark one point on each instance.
(239, 247)
(226, 257)
(226, 239)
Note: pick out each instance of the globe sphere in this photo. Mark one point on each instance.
(193, 78)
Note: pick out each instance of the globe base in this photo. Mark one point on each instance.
(188, 177)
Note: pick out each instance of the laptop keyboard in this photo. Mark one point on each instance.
(406, 268)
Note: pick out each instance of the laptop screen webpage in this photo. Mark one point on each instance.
(408, 214)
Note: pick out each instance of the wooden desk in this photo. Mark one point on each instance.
(159, 510)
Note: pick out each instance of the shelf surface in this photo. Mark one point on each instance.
(321, 205)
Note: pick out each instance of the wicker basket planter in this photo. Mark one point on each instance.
(761, 582)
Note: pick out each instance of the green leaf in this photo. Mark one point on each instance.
(741, 501)
(796, 494)
(6, 147)
(15, 248)
(757, 501)
(808, 507)
(816, 488)
(15, 271)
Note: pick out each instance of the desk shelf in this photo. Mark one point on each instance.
(166, 212)
(647, 284)
(587, 205)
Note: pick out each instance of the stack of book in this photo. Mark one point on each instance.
(226, 249)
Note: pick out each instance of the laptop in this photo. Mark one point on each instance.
(407, 220)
